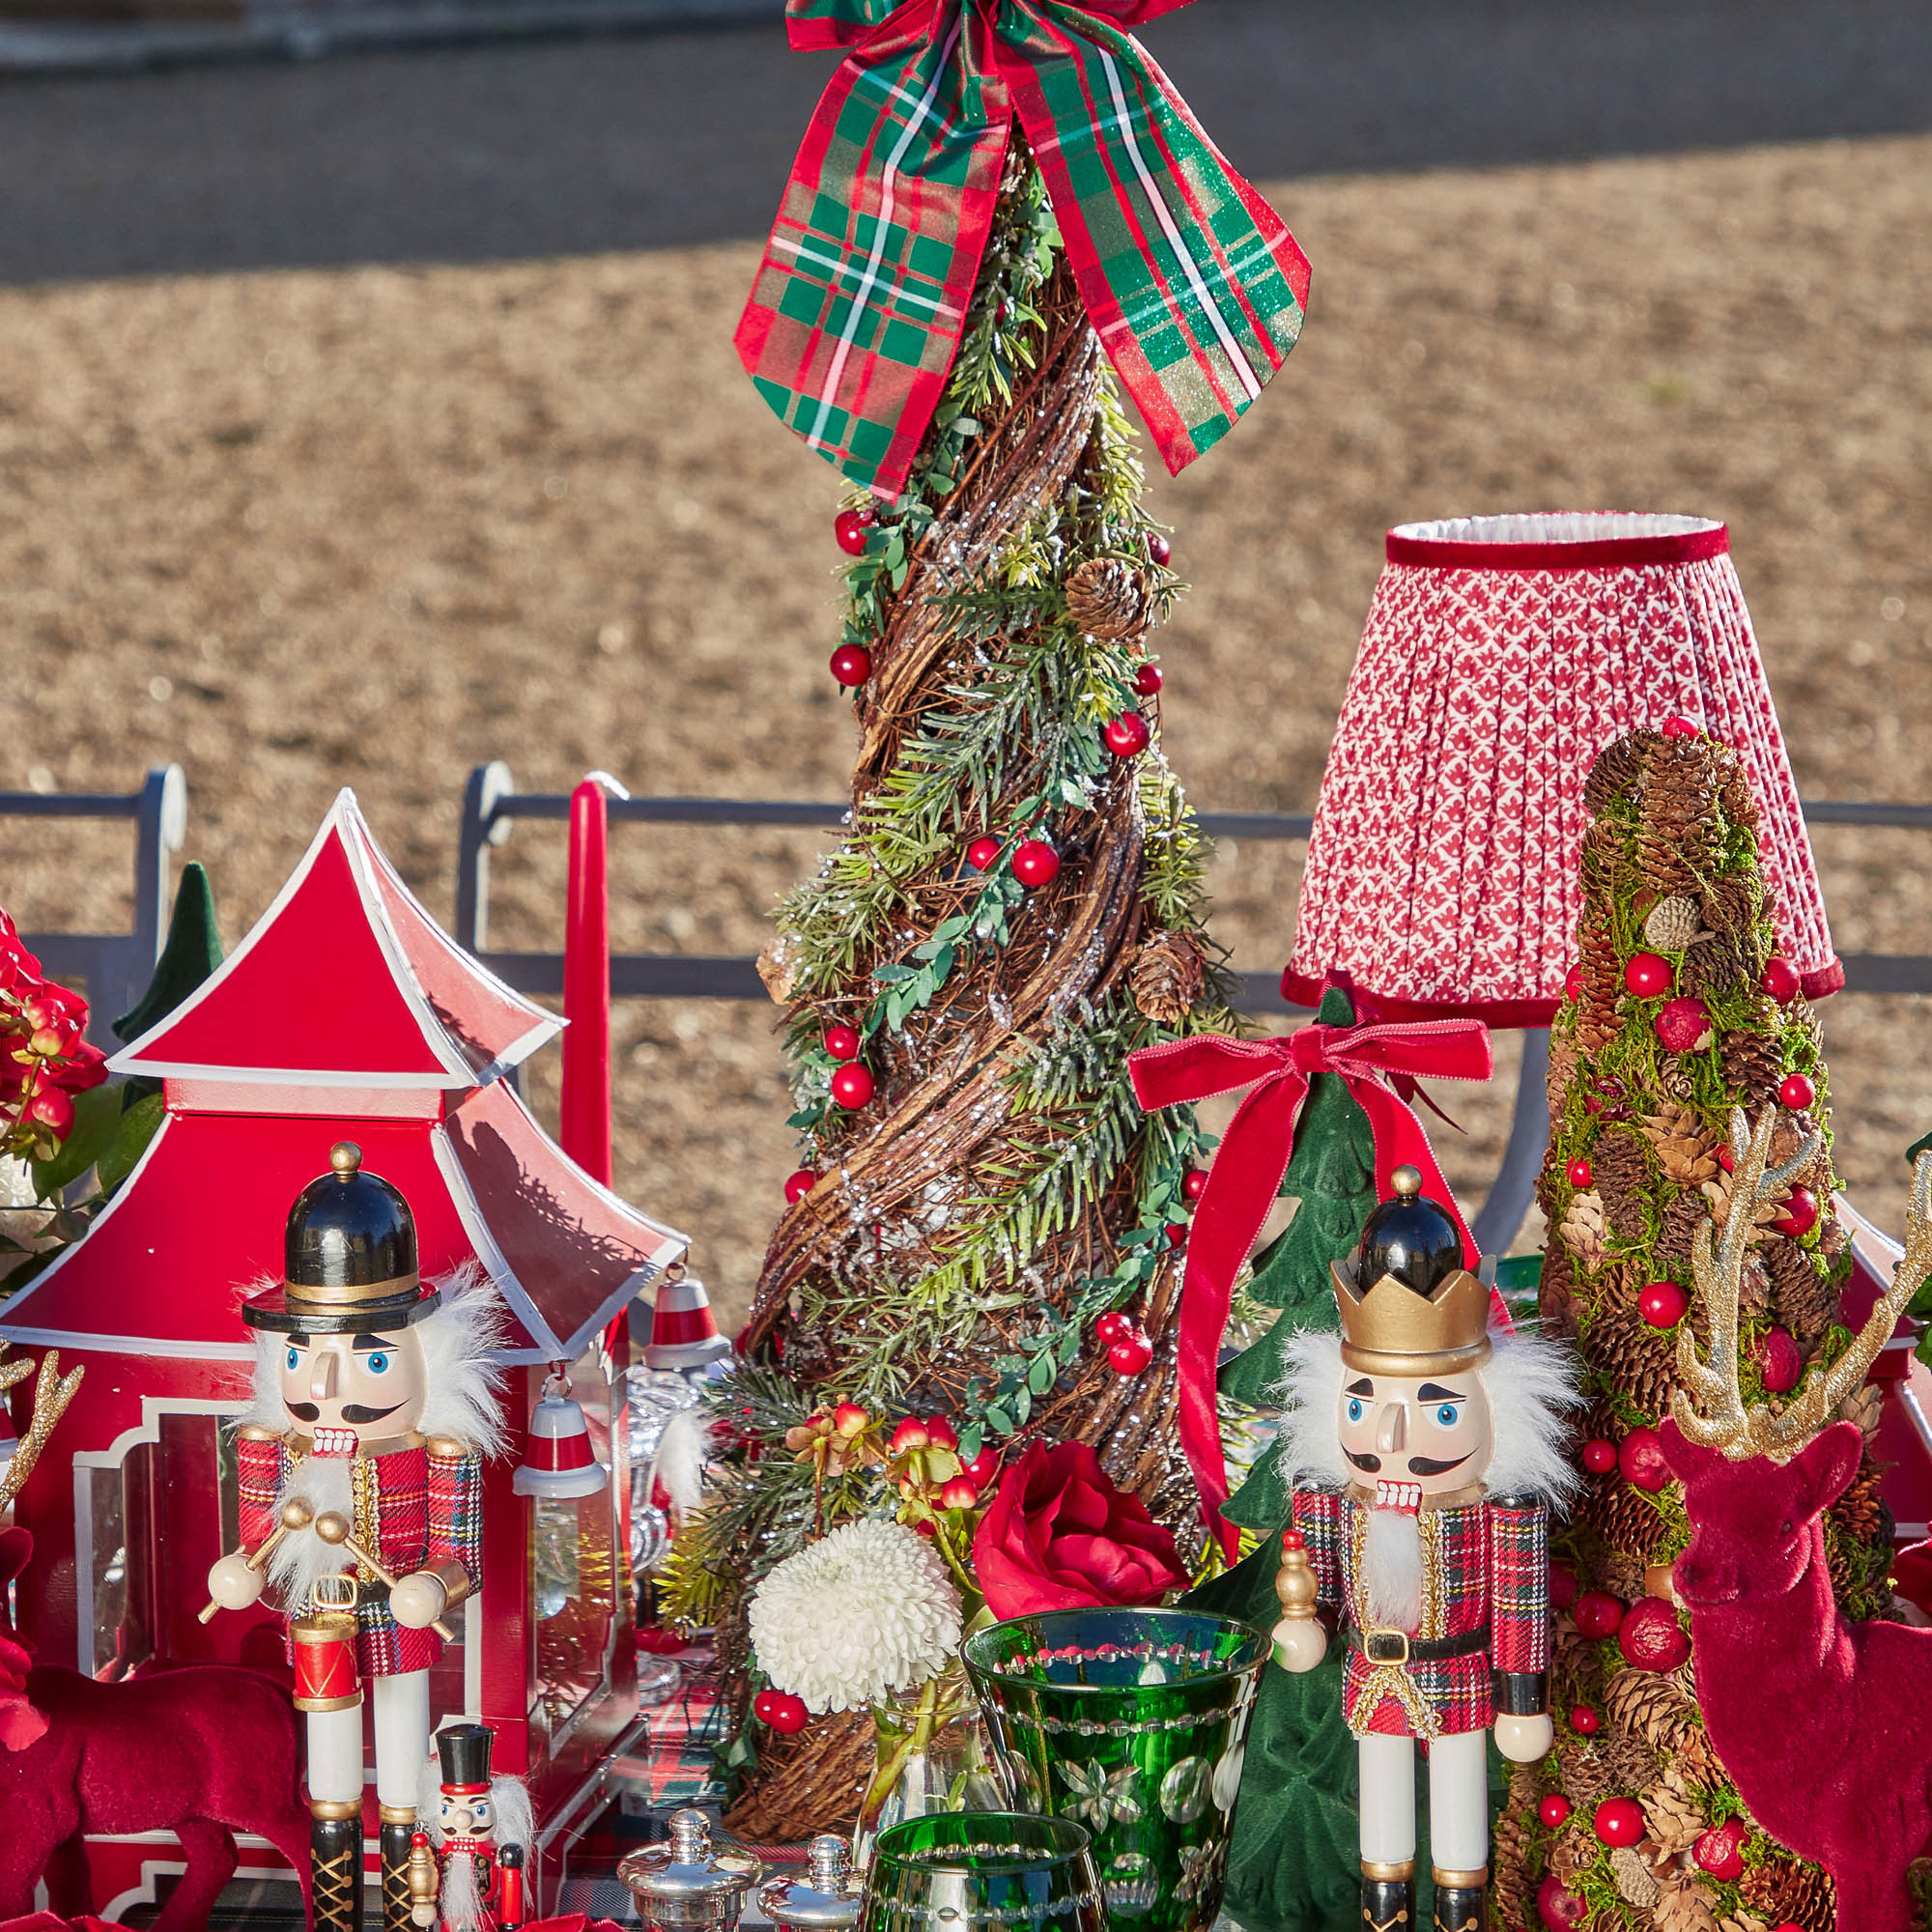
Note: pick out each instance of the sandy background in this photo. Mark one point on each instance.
(371, 527)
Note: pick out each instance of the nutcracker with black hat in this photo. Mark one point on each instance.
(1425, 1449)
(360, 1466)
(466, 1860)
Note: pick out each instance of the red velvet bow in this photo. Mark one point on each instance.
(1379, 1062)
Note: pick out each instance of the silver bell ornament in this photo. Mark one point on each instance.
(557, 1458)
(691, 1879)
(826, 1898)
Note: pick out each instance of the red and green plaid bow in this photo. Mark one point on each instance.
(1195, 286)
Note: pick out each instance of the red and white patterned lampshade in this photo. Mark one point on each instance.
(1501, 655)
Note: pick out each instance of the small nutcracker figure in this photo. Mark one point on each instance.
(1435, 1446)
(467, 1861)
(360, 1465)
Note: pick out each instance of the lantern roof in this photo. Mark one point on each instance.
(198, 1225)
(345, 982)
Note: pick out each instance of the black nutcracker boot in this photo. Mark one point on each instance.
(1389, 1896)
(335, 1869)
(398, 1829)
(1460, 1900)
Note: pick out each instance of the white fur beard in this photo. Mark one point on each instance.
(323, 1483)
(461, 1908)
(1391, 1579)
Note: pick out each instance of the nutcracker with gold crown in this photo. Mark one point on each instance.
(361, 1465)
(1426, 1450)
(474, 1834)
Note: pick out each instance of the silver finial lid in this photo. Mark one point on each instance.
(692, 1877)
(825, 1897)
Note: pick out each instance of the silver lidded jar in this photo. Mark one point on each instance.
(825, 1898)
(690, 1878)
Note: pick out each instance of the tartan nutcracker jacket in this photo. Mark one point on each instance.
(415, 1507)
(1485, 1568)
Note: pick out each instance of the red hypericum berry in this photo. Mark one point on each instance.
(51, 1109)
(1801, 1212)
(1562, 1585)
(911, 1434)
(1780, 978)
(1649, 975)
(1130, 1355)
(841, 1042)
(48, 1041)
(1553, 1808)
(851, 664)
(959, 1494)
(980, 1470)
(849, 527)
(1720, 1851)
(1796, 1092)
(849, 1418)
(852, 1083)
(1684, 1026)
(982, 853)
(1680, 728)
(1194, 1183)
(761, 1706)
(1662, 1303)
(1579, 1174)
(924, 1527)
(1112, 1327)
(1586, 1720)
(1177, 1234)
(798, 1184)
(1158, 548)
(1619, 1821)
(941, 1433)
(1599, 1456)
(1148, 679)
(1035, 863)
(1779, 1361)
(1640, 1458)
(786, 1715)
(1572, 983)
(1126, 735)
(1597, 1614)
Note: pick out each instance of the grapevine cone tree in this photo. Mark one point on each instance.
(1293, 1861)
(1682, 1011)
(1013, 911)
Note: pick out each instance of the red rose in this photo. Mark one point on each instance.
(1059, 1535)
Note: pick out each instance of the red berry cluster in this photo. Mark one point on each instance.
(785, 1714)
(1035, 861)
(1129, 1348)
(44, 1061)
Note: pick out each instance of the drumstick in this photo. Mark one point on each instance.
(334, 1528)
(296, 1515)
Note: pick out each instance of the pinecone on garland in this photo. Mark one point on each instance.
(1753, 1063)
(1714, 967)
(1107, 597)
(1684, 1151)
(1674, 924)
(1169, 975)
(1635, 1877)
(1682, 1218)
(1683, 1906)
(1510, 1889)
(1742, 1921)
(1785, 1892)
(1638, 1357)
(1584, 1228)
(1675, 1821)
(1734, 905)
(1648, 1705)
(1858, 1511)
(1806, 1297)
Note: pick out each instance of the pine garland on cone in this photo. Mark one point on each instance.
(1669, 1027)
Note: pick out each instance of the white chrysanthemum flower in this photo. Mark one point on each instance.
(866, 1611)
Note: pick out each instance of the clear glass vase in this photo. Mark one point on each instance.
(929, 1755)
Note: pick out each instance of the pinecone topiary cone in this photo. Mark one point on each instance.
(1682, 1219)
(1628, 1351)
(1168, 976)
(1713, 967)
(1555, 1293)
(1583, 1228)
(1783, 1889)
(1107, 597)
(1618, 772)
(1858, 1511)
(1674, 924)
(1734, 903)
(1753, 1065)
(1802, 1292)
(1684, 1150)
(1622, 1177)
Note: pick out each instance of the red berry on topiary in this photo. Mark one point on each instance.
(1720, 1851)
(1176, 1234)
(1642, 1461)
(1148, 679)
(1562, 1585)
(1801, 1212)
(1599, 1456)
(761, 1706)
(1649, 975)
(1681, 727)
(1579, 1174)
(1572, 983)
(798, 1184)
(852, 1085)
(1662, 1303)
(851, 664)
(1780, 978)
(1779, 1361)
(1586, 1720)
(1158, 548)
(1796, 1092)
(980, 1470)
(1126, 735)
(1597, 1614)
(961, 1492)
(1130, 1355)
(841, 1042)
(786, 1715)
(1194, 1183)
(982, 853)
(1113, 1326)
(1553, 1808)
(1649, 1637)
(911, 1434)
(942, 1433)
(1560, 1909)
(1619, 1821)
(849, 527)
(1035, 863)
(1684, 1026)
(1727, 1160)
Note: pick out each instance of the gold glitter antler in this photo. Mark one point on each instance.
(1722, 1422)
(52, 1395)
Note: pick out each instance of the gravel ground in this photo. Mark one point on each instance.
(302, 529)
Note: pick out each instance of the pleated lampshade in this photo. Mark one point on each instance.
(1501, 655)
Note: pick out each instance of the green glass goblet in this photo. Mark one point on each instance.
(1130, 1722)
(982, 1871)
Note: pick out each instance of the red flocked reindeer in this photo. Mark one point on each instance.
(203, 1752)
(1820, 1723)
